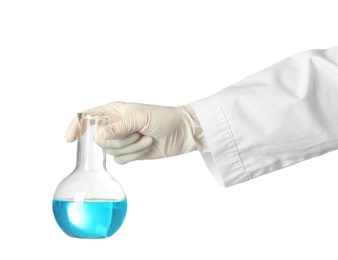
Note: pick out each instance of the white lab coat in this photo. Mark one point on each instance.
(277, 117)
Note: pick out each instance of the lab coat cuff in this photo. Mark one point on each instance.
(223, 159)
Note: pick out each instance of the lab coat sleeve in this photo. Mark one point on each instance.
(277, 117)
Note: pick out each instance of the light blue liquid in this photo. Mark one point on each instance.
(90, 218)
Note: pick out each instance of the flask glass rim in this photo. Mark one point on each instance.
(92, 115)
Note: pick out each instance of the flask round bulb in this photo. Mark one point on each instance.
(90, 203)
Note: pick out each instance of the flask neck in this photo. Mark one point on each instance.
(90, 156)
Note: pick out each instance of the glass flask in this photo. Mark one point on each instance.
(90, 203)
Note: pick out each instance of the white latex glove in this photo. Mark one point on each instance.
(140, 131)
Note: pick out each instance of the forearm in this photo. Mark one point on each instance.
(277, 117)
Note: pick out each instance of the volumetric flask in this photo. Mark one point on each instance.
(90, 203)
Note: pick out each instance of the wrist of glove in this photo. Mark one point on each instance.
(196, 129)
(140, 131)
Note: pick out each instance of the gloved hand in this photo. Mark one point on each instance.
(140, 131)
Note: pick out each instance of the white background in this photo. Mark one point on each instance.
(61, 57)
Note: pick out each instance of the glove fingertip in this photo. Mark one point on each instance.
(73, 131)
(69, 136)
(120, 160)
(149, 140)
